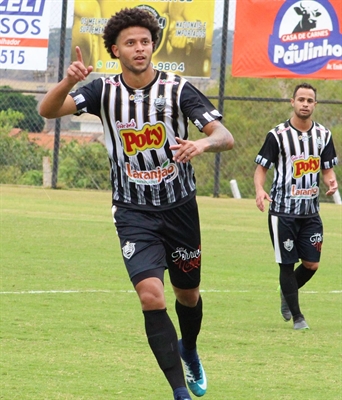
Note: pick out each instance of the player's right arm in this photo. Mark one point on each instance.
(57, 102)
(259, 182)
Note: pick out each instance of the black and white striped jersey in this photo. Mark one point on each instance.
(139, 127)
(297, 158)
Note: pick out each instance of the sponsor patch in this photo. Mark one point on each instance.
(317, 241)
(186, 260)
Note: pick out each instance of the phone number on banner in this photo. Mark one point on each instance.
(169, 66)
(161, 66)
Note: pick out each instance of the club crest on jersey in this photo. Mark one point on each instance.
(128, 250)
(160, 103)
(319, 142)
(288, 245)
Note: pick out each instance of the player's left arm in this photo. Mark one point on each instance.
(329, 179)
(218, 139)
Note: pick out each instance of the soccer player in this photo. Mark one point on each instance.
(299, 149)
(145, 115)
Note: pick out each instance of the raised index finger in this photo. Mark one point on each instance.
(79, 54)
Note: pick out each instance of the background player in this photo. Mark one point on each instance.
(299, 149)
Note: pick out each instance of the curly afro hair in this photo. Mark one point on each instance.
(126, 18)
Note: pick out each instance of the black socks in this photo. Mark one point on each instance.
(190, 319)
(162, 338)
(289, 287)
(290, 281)
(303, 275)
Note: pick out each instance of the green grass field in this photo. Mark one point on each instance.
(71, 325)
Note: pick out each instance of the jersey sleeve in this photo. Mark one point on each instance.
(197, 107)
(328, 156)
(268, 154)
(88, 97)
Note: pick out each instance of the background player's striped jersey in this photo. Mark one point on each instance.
(139, 127)
(297, 158)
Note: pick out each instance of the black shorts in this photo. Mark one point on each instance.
(165, 239)
(296, 238)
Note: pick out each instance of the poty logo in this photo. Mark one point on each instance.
(149, 137)
(22, 7)
(305, 36)
(308, 166)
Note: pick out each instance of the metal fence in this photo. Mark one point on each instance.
(70, 153)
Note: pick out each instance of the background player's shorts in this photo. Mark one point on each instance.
(296, 238)
(162, 239)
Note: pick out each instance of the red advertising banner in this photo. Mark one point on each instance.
(288, 39)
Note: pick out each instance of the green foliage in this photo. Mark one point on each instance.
(31, 178)
(9, 118)
(20, 159)
(83, 166)
(25, 104)
(9, 173)
(80, 166)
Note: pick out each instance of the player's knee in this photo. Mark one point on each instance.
(151, 294)
(311, 265)
(151, 301)
(187, 297)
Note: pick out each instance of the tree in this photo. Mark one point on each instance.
(20, 160)
(25, 104)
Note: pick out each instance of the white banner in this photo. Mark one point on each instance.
(24, 34)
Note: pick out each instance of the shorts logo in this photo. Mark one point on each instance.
(128, 250)
(317, 241)
(187, 260)
(288, 245)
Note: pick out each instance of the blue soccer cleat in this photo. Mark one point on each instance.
(194, 373)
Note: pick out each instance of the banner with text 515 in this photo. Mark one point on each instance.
(24, 34)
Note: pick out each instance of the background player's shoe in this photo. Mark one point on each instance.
(284, 308)
(181, 394)
(194, 372)
(300, 324)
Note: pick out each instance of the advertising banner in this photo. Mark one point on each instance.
(24, 34)
(288, 39)
(186, 34)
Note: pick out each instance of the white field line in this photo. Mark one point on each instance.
(133, 291)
